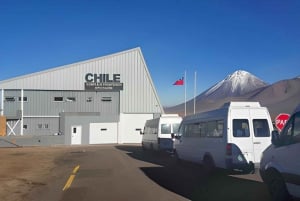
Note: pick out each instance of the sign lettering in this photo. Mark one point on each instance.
(103, 82)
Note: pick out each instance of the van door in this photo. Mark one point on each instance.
(241, 135)
(261, 137)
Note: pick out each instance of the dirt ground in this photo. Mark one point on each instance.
(23, 169)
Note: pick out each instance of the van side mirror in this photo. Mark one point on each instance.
(275, 138)
(172, 135)
(141, 131)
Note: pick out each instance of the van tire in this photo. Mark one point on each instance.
(208, 164)
(277, 186)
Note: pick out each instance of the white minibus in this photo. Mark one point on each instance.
(232, 137)
(158, 133)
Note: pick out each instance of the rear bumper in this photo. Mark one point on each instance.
(166, 144)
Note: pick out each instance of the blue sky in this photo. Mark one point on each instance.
(213, 37)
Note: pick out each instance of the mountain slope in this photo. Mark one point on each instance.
(280, 97)
(237, 84)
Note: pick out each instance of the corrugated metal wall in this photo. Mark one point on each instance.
(41, 126)
(42, 103)
(138, 95)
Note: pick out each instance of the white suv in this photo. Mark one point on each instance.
(280, 162)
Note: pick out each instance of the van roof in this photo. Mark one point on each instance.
(169, 115)
(242, 104)
(222, 111)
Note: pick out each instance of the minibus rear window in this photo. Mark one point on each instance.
(261, 128)
(241, 128)
(175, 128)
(165, 128)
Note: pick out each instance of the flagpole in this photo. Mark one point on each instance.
(185, 93)
(195, 91)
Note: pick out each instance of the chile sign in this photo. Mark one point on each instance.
(103, 82)
(281, 120)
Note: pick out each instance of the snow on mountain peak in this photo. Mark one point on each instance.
(238, 83)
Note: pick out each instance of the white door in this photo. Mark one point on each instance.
(241, 132)
(261, 126)
(76, 134)
(102, 133)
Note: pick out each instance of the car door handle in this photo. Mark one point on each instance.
(256, 143)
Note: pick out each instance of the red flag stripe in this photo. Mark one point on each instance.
(179, 82)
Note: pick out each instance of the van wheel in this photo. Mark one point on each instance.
(277, 186)
(208, 165)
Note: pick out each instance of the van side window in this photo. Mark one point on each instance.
(241, 128)
(291, 132)
(297, 127)
(192, 130)
(261, 128)
(204, 129)
(183, 130)
(214, 128)
(165, 128)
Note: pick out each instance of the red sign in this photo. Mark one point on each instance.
(280, 120)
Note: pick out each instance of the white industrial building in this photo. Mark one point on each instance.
(101, 100)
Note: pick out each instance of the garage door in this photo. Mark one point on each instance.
(103, 133)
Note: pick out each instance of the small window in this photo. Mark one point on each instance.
(291, 132)
(297, 125)
(10, 99)
(106, 99)
(58, 99)
(175, 127)
(261, 128)
(24, 99)
(70, 99)
(40, 126)
(165, 129)
(296, 133)
(46, 126)
(241, 128)
(25, 126)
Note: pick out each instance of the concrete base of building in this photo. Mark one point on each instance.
(28, 140)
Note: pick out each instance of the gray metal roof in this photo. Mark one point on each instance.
(138, 95)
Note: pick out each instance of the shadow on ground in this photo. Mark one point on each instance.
(190, 180)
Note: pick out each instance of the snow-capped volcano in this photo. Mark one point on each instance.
(234, 85)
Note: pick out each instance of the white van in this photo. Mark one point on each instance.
(158, 133)
(280, 162)
(232, 137)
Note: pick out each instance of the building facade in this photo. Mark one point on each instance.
(101, 100)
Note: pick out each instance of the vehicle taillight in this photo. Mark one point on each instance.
(229, 149)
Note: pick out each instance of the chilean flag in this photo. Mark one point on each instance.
(179, 82)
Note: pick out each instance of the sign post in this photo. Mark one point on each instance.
(281, 120)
